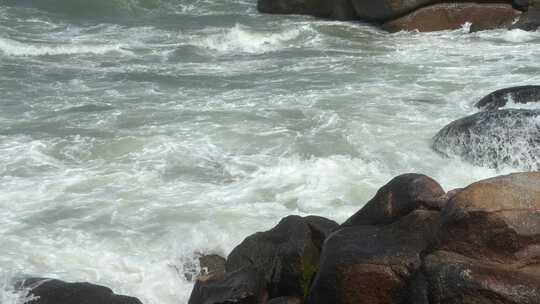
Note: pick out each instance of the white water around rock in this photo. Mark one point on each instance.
(133, 140)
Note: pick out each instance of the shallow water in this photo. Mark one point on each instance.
(136, 134)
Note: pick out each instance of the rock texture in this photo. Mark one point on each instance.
(451, 16)
(517, 95)
(287, 255)
(50, 291)
(497, 219)
(372, 264)
(244, 286)
(508, 137)
(402, 195)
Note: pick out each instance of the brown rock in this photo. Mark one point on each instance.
(244, 286)
(402, 195)
(373, 264)
(383, 10)
(285, 300)
(497, 218)
(287, 255)
(451, 16)
(449, 278)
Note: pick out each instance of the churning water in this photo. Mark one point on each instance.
(136, 134)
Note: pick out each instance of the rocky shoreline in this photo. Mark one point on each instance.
(421, 15)
(412, 242)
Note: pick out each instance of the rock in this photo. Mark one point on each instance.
(285, 300)
(495, 219)
(373, 264)
(287, 255)
(530, 20)
(402, 195)
(499, 98)
(495, 139)
(384, 10)
(336, 9)
(51, 291)
(244, 286)
(451, 16)
(451, 278)
(211, 264)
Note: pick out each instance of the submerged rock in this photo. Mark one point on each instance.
(399, 197)
(451, 16)
(243, 286)
(508, 137)
(373, 264)
(51, 291)
(499, 98)
(287, 255)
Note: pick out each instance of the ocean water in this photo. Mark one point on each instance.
(135, 135)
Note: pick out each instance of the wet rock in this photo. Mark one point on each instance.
(530, 20)
(285, 300)
(287, 255)
(337, 9)
(495, 219)
(51, 291)
(450, 278)
(384, 10)
(211, 264)
(244, 286)
(373, 264)
(495, 139)
(451, 16)
(402, 195)
(499, 98)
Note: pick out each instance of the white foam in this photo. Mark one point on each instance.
(243, 40)
(15, 48)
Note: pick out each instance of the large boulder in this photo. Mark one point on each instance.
(495, 139)
(385, 10)
(243, 286)
(51, 291)
(495, 219)
(335, 9)
(373, 264)
(287, 255)
(451, 16)
(402, 195)
(449, 278)
(499, 98)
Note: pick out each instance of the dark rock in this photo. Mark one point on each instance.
(285, 300)
(451, 16)
(51, 291)
(499, 98)
(530, 20)
(244, 286)
(211, 264)
(495, 219)
(335, 9)
(508, 137)
(373, 264)
(287, 255)
(451, 278)
(399, 197)
(384, 10)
